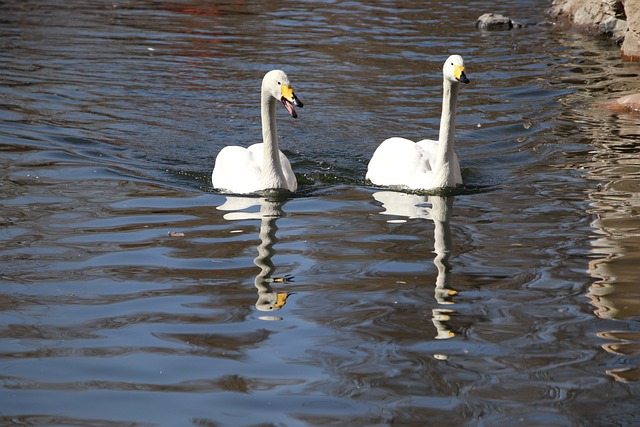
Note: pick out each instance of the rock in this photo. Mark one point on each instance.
(494, 22)
(590, 16)
(617, 19)
(614, 28)
(631, 44)
(625, 104)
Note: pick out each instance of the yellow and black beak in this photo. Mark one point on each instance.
(458, 73)
(289, 99)
(281, 300)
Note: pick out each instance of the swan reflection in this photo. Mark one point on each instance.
(270, 211)
(439, 210)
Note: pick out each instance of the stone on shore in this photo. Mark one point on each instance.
(618, 20)
(625, 104)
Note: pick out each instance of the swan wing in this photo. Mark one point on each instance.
(451, 174)
(429, 146)
(237, 170)
(287, 171)
(400, 162)
(289, 176)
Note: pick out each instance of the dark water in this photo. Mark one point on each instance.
(512, 302)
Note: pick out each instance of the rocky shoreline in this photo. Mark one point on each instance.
(618, 20)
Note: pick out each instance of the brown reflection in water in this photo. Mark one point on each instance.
(207, 25)
(612, 162)
(615, 294)
(416, 206)
(232, 346)
(625, 344)
(225, 383)
(270, 211)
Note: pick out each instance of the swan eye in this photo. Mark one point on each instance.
(279, 83)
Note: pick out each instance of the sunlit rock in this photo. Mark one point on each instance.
(617, 19)
(628, 103)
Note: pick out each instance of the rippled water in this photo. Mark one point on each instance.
(133, 294)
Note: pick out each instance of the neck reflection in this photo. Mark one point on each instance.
(439, 210)
(268, 300)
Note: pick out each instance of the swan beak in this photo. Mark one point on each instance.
(289, 99)
(281, 300)
(458, 73)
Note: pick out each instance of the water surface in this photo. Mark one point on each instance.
(135, 294)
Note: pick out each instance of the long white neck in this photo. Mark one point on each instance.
(272, 175)
(448, 119)
(444, 162)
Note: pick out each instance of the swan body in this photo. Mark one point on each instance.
(262, 166)
(425, 164)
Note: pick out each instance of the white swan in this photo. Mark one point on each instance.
(261, 166)
(424, 164)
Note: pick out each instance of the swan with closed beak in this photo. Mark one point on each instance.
(425, 164)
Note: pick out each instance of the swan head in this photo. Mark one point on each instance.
(453, 70)
(276, 84)
(270, 301)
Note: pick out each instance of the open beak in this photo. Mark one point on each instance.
(458, 73)
(289, 99)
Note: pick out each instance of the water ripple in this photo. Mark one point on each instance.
(126, 284)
